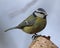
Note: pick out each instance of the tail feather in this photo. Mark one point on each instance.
(10, 29)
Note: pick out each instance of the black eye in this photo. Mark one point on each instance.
(41, 13)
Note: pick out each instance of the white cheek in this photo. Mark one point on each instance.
(39, 15)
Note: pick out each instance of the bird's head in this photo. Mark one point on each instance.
(40, 12)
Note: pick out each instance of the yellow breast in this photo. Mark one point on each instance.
(36, 27)
(28, 29)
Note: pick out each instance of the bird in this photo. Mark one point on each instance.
(33, 24)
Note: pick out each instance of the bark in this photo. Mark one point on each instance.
(42, 42)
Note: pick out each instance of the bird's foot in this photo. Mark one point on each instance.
(35, 36)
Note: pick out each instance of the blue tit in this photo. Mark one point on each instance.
(34, 23)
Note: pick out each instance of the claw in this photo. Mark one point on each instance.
(35, 35)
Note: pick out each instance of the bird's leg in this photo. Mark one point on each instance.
(35, 35)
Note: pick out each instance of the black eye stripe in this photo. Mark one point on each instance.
(41, 13)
